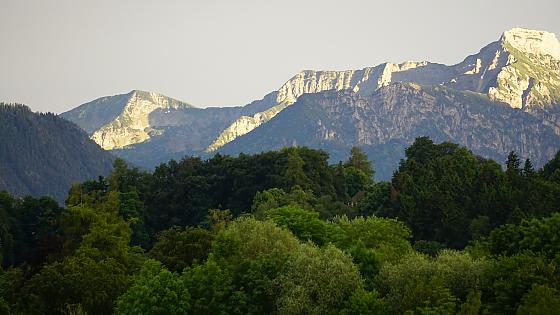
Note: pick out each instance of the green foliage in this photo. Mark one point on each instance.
(180, 193)
(316, 281)
(98, 268)
(472, 305)
(155, 290)
(446, 194)
(43, 154)
(301, 249)
(305, 224)
(513, 276)
(249, 239)
(276, 198)
(528, 169)
(421, 283)
(430, 248)
(356, 181)
(479, 227)
(540, 300)
(294, 174)
(30, 229)
(178, 248)
(388, 237)
(359, 161)
(375, 200)
(210, 287)
(132, 209)
(218, 219)
(536, 235)
(78, 279)
(246, 258)
(126, 179)
(551, 170)
(364, 302)
(357, 172)
(74, 309)
(513, 165)
(368, 260)
(250, 255)
(11, 281)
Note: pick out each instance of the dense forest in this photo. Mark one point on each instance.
(43, 154)
(284, 232)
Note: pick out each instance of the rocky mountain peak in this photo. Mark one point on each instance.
(132, 126)
(532, 42)
(121, 120)
(363, 81)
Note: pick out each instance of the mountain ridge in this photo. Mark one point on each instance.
(41, 148)
(519, 69)
(392, 117)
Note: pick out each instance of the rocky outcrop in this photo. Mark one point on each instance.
(533, 42)
(510, 87)
(244, 125)
(531, 76)
(131, 125)
(364, 81)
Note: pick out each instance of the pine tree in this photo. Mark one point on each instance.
(359, 160)
(528, 169)
(513, 164)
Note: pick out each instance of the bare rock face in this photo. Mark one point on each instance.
(131, 125)
(532, 42)
(511, 86)
(243, 125)
(362, 81)
(531, 75)
(521, 69)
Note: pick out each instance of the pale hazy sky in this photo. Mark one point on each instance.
(55, 55)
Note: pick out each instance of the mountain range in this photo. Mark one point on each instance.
(505, 97)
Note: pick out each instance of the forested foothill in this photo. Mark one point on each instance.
(284, 232)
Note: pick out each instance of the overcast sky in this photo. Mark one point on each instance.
(55, 55)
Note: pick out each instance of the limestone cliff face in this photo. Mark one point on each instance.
(364, 81)
(131, 125)
(531, 76)
(533, 42)
(367, 79)
(245, 124)
(521, 69)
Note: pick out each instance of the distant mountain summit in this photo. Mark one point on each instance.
(520, 70)
(42, 154)
(118, 121)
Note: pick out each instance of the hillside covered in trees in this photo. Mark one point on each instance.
(43, 154)
(284, 232)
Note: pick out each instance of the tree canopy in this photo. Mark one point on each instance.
(284, 232)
